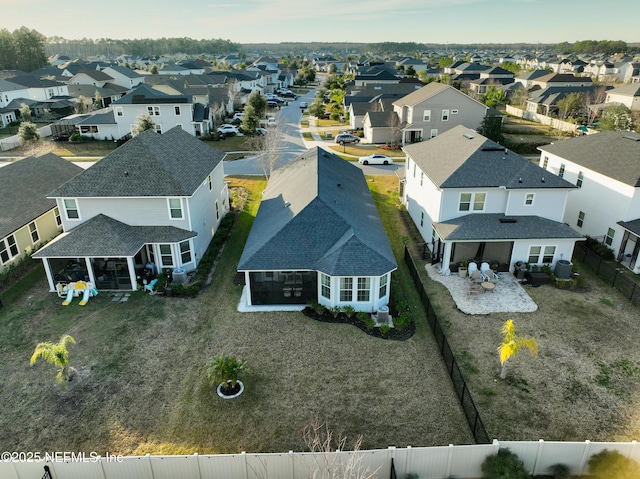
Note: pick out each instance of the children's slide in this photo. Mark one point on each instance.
(67, 301)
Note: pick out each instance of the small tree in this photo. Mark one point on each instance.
(511, 344)
(57, 355)
(25, 112)
(491, 127)
(611, 464)
(250, 119)
(28, 133)
(226, 371)
(144, 123)
(616, 117)
(258, 102)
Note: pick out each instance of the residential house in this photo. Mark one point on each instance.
(154, 202)
(628, 95)
(526, 78)
(166, 112)
(605, 168)
(91, 77)
(124, 77)
(496, 76)
(28, 218)
(471, 198)
(317, 237)
(435, 109)
(382, 127)
(560, 80)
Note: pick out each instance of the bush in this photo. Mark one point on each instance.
(504, 465)
(611, 464)
(76, 137)
(560, 471)
(403, 321)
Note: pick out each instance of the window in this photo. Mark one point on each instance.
(165, 255)
(119, 111)
(175, 208)
(445, 115)
(472, 201)
(33, 231)
(71, 209)
(454, 112)
(177, 110)
(414, 169)
(528, 199)
(580, 179)
(426, 116)
(561, 172)
(421, 219)
(217, 210)
(580, 221)
(325, 286)
(383, 286)
(433, 133)
(421, 178)
(545, 162)
(8, 249)
(56, 213)
(608, 239)
(88, 129)
(153, 110)
(158, 128)
(534, 254)
(364, 289)
(346, 287)
(185, 252)
(210, 182)
(179, 125)
(549, 252)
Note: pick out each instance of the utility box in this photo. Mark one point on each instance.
(563, 269)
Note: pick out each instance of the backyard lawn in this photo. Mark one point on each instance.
(142, 385)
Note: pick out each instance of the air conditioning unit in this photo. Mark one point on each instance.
(383, 315)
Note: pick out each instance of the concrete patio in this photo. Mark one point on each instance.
(508, 296)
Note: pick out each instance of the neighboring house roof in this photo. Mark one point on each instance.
(99, 117)
(553, 94)
(462, 158)
(317, 214)
(33, 82)
(422, 94)
(615, 154)
(96, 75)
(631, 89)
(383, 119)
(532, 75)
(172, 164)
(105, 237)
(128, 72)
(497, 226)
(24, 186)
(143, 94)
(89, 91)
(562, 78)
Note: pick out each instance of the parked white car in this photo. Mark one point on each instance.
(376, 159)
(227, 129)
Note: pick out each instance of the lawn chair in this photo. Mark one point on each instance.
(488, 274)
(476, 277)
(472, 267)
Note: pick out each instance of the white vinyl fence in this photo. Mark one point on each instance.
(426, 462)
(545, 120)
(14, 141)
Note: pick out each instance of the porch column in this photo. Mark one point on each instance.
(247, 282)
(92, 278)
(132, 273)
(47, 271)
(446, 255)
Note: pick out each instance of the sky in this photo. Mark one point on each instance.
(370, 21)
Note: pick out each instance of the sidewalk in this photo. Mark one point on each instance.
(319, 138)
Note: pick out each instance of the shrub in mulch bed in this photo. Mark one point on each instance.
(402, 331)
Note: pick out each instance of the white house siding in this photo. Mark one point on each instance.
(105, 132)
(563, 249)
(167, 119)
(131, 211)
(495, 202)
(421, 199)
(375, 301)
(631, 102)
(123, 80)
(603, 200)
(547, 203)
(202, 207)
(47, 229)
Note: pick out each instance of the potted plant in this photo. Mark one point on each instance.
(226, 371)
(462, 268)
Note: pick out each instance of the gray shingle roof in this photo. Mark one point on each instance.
(144, 94)
(317, 214)
(608, 153)
(633, 226)
(105, 237)
(463, 158)
(24, 186)
(488, 227)
(172, 164)
(383, 119)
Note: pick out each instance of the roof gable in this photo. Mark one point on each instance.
(172, 164)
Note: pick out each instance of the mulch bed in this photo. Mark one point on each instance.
(342, 318)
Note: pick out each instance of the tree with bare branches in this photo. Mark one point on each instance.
(268, 148)
(331, 460)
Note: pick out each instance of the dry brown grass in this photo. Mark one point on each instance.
(585, 383)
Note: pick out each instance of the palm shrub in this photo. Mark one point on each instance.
(226, 371)
(504, 465)
(57, 355)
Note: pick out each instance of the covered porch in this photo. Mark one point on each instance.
(630, 245)
(282, 287)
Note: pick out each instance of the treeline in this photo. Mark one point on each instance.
(143, 47)
(22, 49)
(608, 47)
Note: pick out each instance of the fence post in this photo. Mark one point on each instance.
(585, 456)
(449, 460)
(538, 454)
(148, 456)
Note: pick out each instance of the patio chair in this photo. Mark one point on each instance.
(472, 267)
(488, 274)
(476, 277)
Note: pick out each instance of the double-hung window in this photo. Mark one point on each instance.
(528, 199)
(175, 208)
(165, 255)
(608, 239)
(185, 252)
(426, 116)
(580, 179)
(8, 249)
(153, 110)
(33, 231)
(445, 115)
(580, 221)
(364, 289)
(472, 201)
(71, 209)
(382, 292)
(56, 213)
(346, 289)
(561, 171)
(325, 286)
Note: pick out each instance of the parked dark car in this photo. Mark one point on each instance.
(343, 138)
